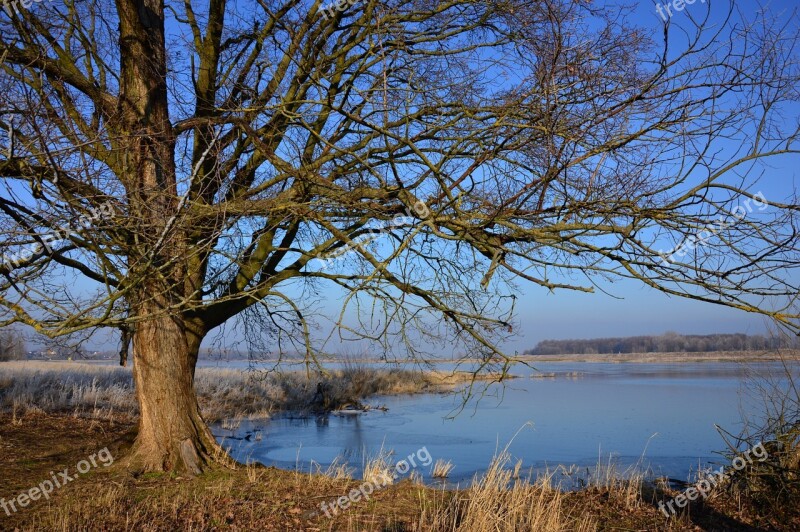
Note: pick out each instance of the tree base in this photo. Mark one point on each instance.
(186, 457)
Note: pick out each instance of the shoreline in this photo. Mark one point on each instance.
(223, 393)
(678, 357)
(94, 410)
(254, 497)
(670, 358)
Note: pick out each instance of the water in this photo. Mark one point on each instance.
(659, 416)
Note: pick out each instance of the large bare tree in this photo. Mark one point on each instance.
(171, 166)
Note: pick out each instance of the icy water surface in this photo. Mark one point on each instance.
(660, 416)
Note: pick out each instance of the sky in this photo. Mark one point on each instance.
(628, 307)
(636, 309)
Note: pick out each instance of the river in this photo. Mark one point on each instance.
(657, 417)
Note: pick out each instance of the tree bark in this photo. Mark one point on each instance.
(172, 434)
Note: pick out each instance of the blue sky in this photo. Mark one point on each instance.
(628, 307)
(636, 309)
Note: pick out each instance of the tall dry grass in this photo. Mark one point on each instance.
(378, 469)
(442, 468)
(100, 390)
(497, 503)
(66, 387)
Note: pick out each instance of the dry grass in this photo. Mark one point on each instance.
(496, 504)
(450, 378)
(66, 387)
(337, 470)
(101, 391)
(500, 500)
(378, 468)
(442, 468)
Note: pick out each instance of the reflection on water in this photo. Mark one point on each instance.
(659, 415)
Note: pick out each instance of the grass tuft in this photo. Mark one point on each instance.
(442, 468)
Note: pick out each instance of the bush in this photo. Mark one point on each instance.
(772, 486)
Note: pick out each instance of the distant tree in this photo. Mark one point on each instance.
(12, 345)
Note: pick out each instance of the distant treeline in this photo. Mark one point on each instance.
(665, 343)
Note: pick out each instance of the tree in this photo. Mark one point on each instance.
(12, 345)
(202, 164)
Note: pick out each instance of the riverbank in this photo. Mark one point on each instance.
(104, 391)
(678, 357)
(56, 416)
(260, 498)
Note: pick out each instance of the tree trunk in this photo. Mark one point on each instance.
(172, 434)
